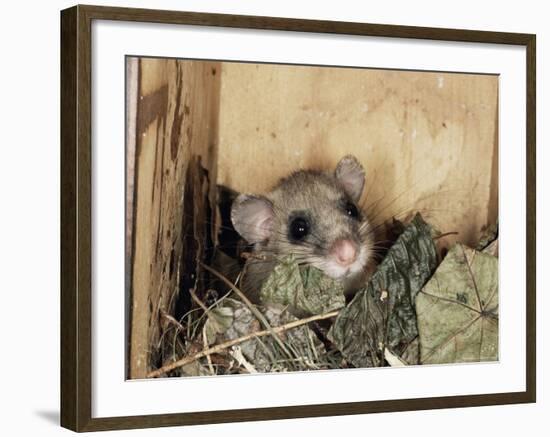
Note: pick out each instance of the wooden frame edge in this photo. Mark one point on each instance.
(75, 219)
(303, 411)
(76, 224)
(68, 231)
(531, 217)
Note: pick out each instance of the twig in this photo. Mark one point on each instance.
(393, 360)
(205, 345)
(242, 361)
(172, 320)
(220, 347)
(197, 300)
(204, 338)
(249, 304)
(446, 234)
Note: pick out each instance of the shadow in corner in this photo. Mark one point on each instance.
(49, 416)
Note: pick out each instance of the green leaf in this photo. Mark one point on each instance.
(359, 330)
(382, 314)
(305, 291)
(457, 310)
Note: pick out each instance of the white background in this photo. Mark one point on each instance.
(112, 396)
(29, 234)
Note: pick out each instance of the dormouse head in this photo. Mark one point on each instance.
(312, 215)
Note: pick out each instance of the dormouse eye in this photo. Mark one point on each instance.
(351, 210)
(298, 229)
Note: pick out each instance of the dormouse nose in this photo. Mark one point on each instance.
(344, 251)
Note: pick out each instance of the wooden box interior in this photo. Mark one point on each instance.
(428, 142)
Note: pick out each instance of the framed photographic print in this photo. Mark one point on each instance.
(267, 218)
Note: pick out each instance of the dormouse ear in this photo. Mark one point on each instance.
(351, 175)
(252, 217)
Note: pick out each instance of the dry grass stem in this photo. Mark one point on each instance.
(250, 305)
(222, 346)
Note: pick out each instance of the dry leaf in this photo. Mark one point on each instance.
(382, 314)
(305, 291)
(457, 310)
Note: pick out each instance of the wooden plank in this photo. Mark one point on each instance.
(132, 94)
(176, 131)
(428, 141)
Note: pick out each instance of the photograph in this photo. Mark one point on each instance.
(292, 217)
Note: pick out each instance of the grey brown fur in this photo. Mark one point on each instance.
(319, 196)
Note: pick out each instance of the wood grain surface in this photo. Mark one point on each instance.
(177, 110)
(428, 141)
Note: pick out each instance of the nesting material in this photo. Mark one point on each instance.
(415, 309)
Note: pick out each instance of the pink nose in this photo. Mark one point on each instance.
(345, 252)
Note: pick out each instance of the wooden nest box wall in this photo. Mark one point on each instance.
(428, 142)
